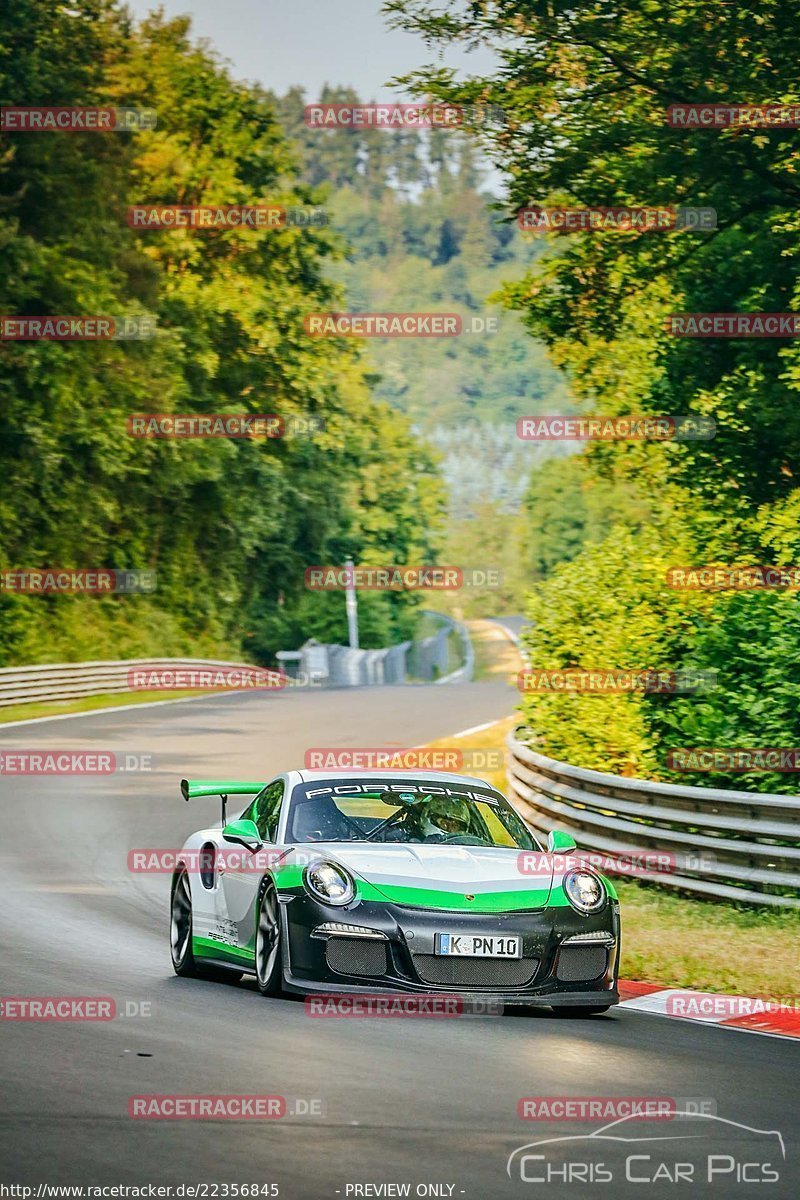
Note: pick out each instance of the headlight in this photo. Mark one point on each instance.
(329, 883)
(584, 891)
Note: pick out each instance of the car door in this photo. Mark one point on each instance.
(242, 876)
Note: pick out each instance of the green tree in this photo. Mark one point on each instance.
(585, 90)
(228, 526)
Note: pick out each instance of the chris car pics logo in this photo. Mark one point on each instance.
(726, 1158)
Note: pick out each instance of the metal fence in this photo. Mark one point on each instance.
(430, 657)
(324, 664)
(721, 844)
(427, 659)
(71, 681)
(465, 671)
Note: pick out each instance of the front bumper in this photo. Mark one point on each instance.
(552, 970)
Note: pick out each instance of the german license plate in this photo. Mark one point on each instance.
(478, 946)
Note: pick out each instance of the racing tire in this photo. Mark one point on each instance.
(184, 962)
(269, 976)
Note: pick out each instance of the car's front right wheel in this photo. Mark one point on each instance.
(180, 926)
(184, 962)
(268, 942)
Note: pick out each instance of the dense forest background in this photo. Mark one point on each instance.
(419, 460)
(419, 435)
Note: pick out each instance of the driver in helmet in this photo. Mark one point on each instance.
(438, 818)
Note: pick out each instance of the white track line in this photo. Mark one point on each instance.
(477, 728)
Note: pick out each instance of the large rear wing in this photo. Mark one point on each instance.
(191, 789)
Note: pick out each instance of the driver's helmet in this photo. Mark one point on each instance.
(448, 814)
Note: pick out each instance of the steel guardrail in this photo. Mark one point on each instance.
(725, 845)
(72, 681)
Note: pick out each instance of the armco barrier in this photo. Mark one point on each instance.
(465, 672)
(426, 659)
(71, 681)
(727, 845)
(430, 657)
(345, 666)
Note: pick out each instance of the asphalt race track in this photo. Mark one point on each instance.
(417, 1102)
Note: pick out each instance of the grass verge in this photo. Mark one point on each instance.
(682, 942)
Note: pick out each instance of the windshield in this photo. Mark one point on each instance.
(404, 810)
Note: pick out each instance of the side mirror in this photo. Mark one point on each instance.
(559, 842)
(243, 833)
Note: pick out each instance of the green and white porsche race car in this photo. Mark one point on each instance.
(344, 883)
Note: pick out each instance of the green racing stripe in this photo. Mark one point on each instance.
(203, 947)
(290, 877)
(483, 902)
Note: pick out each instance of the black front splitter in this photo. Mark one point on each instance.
(481, 1000)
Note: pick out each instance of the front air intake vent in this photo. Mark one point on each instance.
(576, 963)
(356, 956)
(457, 972)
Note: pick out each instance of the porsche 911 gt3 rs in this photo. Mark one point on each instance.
(343, 883)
